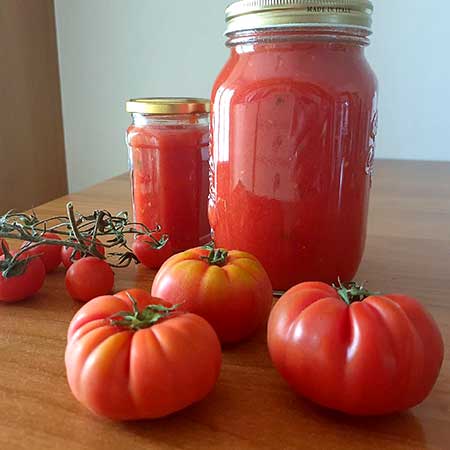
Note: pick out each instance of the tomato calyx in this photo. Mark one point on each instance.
(158, 244)
(216, 256)
(139, 320)
(353, 292)
(11, 266)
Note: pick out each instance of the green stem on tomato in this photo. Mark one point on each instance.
(216, 257)
(139, 320)
(10, 265)
(353, 292)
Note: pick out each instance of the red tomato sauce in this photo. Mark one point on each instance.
(293, 126)
(170, 181)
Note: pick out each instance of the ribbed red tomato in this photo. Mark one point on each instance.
(231, 290)
(355, 352)
(147, 362)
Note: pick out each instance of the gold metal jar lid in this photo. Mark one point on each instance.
(168, 105)
(244, 15)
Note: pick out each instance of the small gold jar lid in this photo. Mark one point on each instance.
(168, 105)
(244, 15)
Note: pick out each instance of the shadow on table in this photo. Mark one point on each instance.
(281, 421)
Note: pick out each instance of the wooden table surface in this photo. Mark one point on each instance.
(408, 250)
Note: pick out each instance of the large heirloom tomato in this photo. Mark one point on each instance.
(130, 359)
(355, 352)
(231, 290)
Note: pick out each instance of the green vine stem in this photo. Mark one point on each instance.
(138, 320)
(353, 292)
(78, 232)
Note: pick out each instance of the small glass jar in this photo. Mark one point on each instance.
(294, 115)
(168, 144)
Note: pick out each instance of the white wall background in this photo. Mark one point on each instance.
(112, 50)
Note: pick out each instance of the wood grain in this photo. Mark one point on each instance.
(32, 156)
(408, 250)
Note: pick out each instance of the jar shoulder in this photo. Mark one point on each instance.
(332, 73)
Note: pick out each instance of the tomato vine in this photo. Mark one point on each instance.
(77, 231)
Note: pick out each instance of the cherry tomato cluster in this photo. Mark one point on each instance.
(86, 277)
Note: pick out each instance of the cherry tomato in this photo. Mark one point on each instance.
(148, 256)
(149, 365)
(67, 252)
(20, 287)
(3, 241)
(49, 254)
(355, 352)
(231, 290)
(88, 278)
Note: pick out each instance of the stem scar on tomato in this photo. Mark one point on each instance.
(138, 320)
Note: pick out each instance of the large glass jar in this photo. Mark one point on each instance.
(168, 143)
(293, 132)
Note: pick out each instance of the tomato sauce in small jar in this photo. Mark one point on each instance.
(168, 144)
(294, 114)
